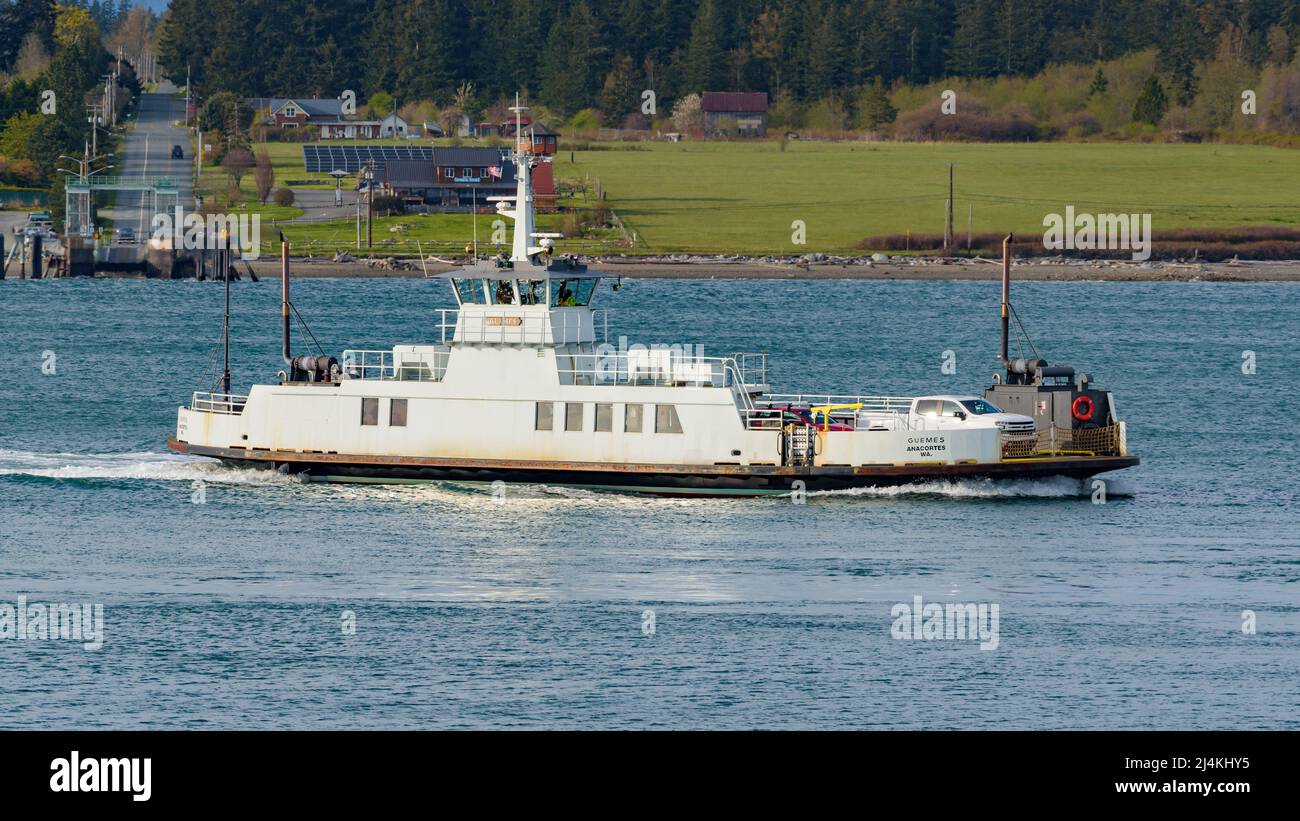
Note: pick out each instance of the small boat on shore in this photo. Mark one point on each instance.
(522, 385)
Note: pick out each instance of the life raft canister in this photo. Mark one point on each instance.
(1082, 409)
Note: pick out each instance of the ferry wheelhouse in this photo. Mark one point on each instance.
(521, 384)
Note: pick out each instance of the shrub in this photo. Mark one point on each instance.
(284, 197)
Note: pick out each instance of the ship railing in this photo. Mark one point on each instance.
(407, 366)
(208, 402)
(889, 412)
(750, 370)
(662, 367)
(1108, 440)
(521, 326)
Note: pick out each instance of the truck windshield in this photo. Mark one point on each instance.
(979, 407)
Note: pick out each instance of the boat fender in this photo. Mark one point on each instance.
(1083, 408)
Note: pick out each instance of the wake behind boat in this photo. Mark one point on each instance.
(523, 386)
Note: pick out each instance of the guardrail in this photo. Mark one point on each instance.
(1110, 440)
(407, 366)
(227, 403)
(521, 327)
(655, 367)
(768, 411)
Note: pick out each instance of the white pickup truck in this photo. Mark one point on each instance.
(946, 412)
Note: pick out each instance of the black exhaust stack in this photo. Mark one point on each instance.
(301, 368)
(1048, 394)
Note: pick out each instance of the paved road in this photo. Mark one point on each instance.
(148, 154)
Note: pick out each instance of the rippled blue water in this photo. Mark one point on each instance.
(470, 613)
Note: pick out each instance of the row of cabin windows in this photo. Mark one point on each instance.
(564, 293)
(396, 412)
(665, 417)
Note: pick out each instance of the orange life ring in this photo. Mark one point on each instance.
(1083, 415)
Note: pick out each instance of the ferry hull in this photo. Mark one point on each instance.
(670, 480)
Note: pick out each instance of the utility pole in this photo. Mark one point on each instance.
(370, 204)
(947, 229)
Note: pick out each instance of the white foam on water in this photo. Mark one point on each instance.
(1045, 488)
(144, 465)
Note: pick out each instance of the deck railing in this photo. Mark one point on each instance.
(408, 366)
(208, 402)
(1110, 440)
(520, 327)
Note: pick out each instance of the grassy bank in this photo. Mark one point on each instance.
(714, 197)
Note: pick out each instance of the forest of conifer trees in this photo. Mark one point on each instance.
(567, 53)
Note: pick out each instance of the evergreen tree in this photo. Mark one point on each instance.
(1099, 83)
(705, 61)
(1151, 104)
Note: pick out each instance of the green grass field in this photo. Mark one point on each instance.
(743, 196)
(439, 234)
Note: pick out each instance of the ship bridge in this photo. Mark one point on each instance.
(507, 303)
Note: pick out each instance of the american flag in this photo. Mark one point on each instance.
(494, 171)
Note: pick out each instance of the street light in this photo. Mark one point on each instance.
(338, 186)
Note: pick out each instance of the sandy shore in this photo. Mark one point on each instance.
(1037, 270)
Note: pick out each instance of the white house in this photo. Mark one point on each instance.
(393, 126)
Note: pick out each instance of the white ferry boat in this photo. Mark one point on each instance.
(521, 385)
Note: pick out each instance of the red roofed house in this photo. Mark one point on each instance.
(748, 109)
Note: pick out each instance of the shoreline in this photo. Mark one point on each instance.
(1042, 270)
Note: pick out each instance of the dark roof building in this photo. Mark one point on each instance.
(747, 109)
(459, 178)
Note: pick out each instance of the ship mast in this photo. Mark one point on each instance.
(520, 249)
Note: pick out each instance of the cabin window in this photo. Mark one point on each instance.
(573, 416)
(397, 413)
(532, 291)
(572, 292)
(370, 411)
(604, 417)
(632, 418)
(504, 292)
(545, 416)
(666, 420)
(469, 291)
(951, 409)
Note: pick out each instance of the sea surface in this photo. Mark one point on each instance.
(281, 604)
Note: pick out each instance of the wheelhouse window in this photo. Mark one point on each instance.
(573, 416)
(532, 291)
(545, 418)
(397, 413)
(369, 411)
(604, 417)
(666, 420)
(470, 291)
(632, 415)
(503, 292)
(572, 292)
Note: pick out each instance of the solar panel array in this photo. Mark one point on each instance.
(325, 158)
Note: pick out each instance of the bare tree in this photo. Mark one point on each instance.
(263, 176)
(237, 163)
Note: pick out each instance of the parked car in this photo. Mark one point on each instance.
(177, 153)
(125, 236)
